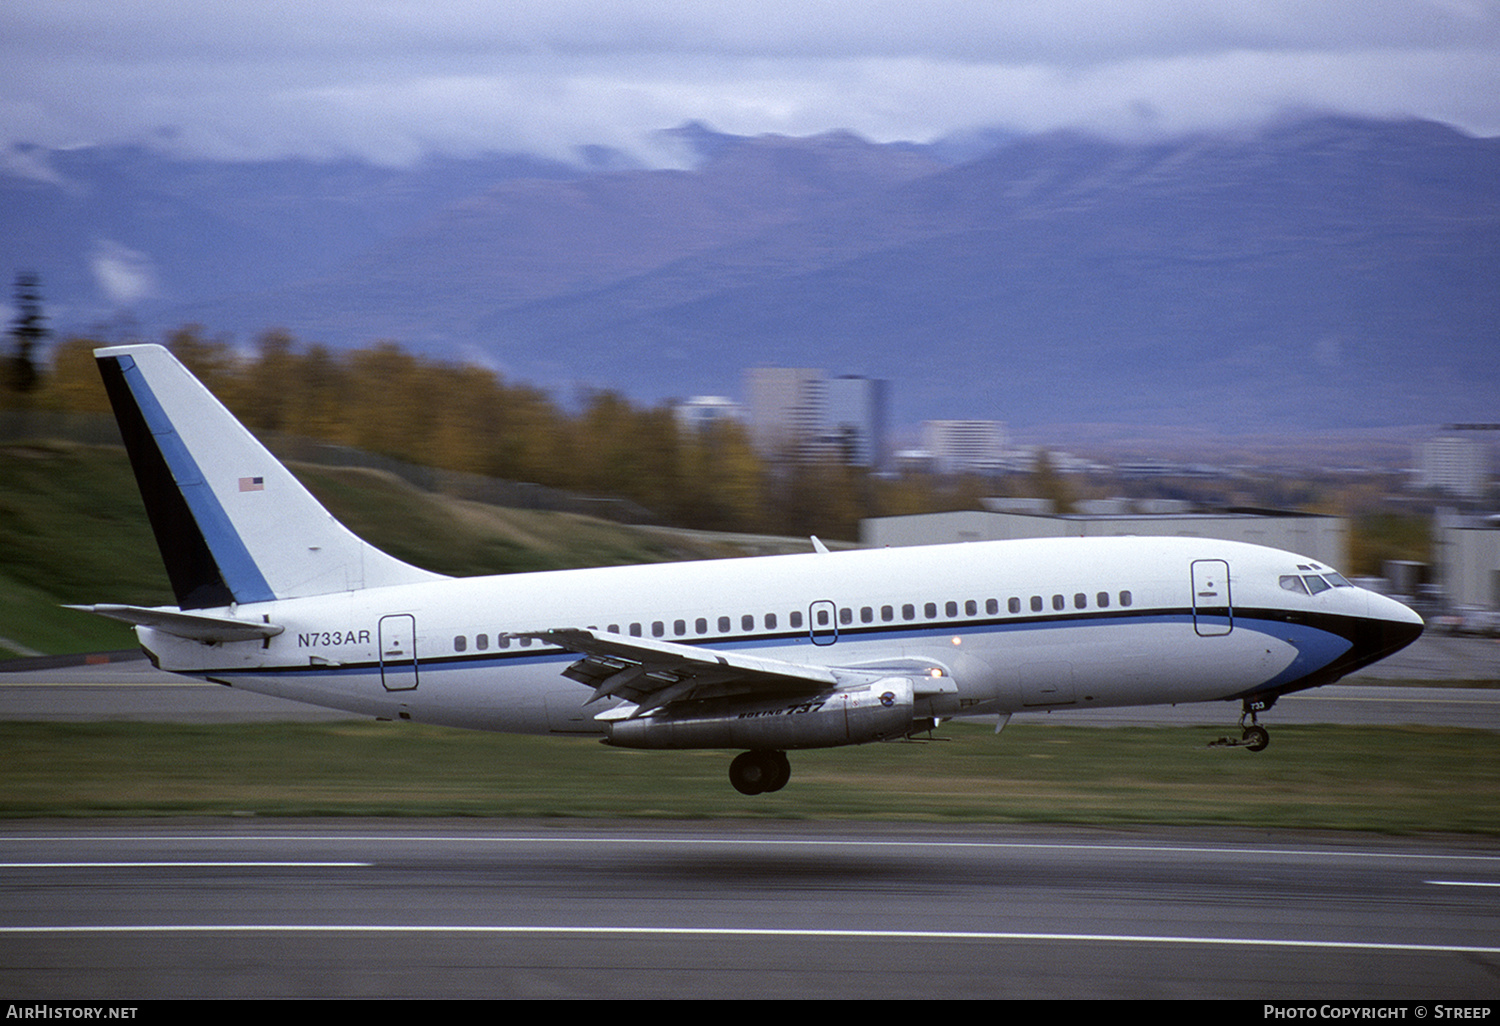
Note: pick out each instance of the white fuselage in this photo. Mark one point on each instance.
(999, 627)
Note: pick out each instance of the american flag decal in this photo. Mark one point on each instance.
(252, 484)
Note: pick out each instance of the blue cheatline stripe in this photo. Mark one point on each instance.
(241, 575)
(1318, 646)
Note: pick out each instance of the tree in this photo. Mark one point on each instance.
(27, 333)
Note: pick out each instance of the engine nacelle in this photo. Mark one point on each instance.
(850, 717)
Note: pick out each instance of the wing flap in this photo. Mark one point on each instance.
(652, 673)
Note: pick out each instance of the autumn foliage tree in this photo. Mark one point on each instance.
(460, 417)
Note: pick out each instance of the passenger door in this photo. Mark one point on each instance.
(1213, 610)
(398, 652)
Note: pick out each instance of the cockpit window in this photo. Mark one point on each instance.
(1315, 583)
(1293, 583)
(1337, 579)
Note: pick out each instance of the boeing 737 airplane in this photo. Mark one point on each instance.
(764, 654)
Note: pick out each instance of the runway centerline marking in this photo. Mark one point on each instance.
(1463, 883)
(184, 865)
(935, 935)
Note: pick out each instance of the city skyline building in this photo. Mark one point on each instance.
(802, 412)
(965, 446)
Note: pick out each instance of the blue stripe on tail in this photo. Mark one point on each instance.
(207, 562)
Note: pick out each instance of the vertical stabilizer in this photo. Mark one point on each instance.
(233, 525)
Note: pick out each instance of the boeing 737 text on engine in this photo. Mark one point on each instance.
(767, 654)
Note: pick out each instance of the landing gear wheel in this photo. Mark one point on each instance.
(1256, 738)
(783, 772)
(759, 772)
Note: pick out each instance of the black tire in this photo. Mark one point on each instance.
(1256, 738)
(783, 771)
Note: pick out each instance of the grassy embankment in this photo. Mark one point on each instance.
(73, 530)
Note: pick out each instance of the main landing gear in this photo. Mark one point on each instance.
(1254, 737)
(760, 772)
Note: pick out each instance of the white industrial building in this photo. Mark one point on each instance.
(1321, 538)
(1467, 557)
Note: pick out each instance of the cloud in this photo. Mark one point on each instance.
(393, 79)
(123, 274)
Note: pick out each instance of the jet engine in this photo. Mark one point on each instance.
(853, 716)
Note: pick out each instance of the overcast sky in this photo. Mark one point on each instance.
(392, 79)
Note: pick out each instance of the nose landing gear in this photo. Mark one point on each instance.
(760, 772)
(1254, 737)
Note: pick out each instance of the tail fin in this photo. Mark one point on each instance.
(233, 525)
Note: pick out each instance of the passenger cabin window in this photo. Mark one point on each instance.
(1036, 603)
(1125, 598)
(795, 618)
(1014, 605)
(460, 643)
(770, 621)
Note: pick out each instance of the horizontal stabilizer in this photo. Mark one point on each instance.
(202, 627)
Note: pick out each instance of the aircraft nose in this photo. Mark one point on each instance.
(1398, 626)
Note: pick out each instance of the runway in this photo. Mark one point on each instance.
(124, 912)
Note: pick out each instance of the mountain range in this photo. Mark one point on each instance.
(1320, 273)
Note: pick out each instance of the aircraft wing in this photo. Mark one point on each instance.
(652, 673)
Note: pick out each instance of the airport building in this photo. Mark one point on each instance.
(1467, 558)
(1321, 538)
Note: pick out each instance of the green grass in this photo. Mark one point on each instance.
(1345, 778)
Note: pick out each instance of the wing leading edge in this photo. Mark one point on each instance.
(651, 674)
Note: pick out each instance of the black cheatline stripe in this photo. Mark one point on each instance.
(197, 581)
